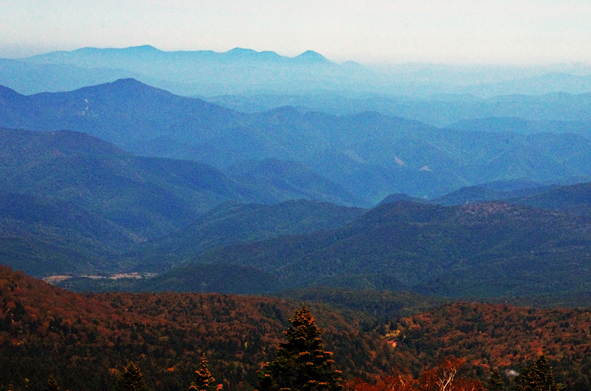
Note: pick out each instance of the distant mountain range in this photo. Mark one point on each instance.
(245, 71)
(71, 202)
(192, 72)
(147, 55)
(75, 204)
(550, 112)
(363, 157)
(122, 176)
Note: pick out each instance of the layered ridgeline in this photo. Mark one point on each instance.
(475, 250)
(233, 223)
(85, 341)
(367, 156)
(205, 72)
(529, 112)
(73, 203)
(248, 72)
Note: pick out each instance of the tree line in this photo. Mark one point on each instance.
(302, 364)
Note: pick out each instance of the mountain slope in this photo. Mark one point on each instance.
(149, 196)
(282, 178)
(94, 200)
(123, 112)
(45, 330)
(574, 199)
(42, 236)
(500, 336)
(489, 249)
(367, 155)
(232, 223)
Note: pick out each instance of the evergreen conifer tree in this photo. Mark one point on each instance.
(52, 384)
(302, 364)
(537, 377)
(495, 383)
(131, 380)
(203, 378)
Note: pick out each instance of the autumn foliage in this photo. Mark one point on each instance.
(443, 377)
(86, 340)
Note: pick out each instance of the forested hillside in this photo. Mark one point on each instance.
(460, 251)
(428, 236)
(86, 340)
(360, 157)
(499, 335)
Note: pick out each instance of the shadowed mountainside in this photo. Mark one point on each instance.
(367, 155)
(232, 223)
(476, 250)
(81, 202)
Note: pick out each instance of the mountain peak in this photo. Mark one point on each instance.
(134, 49)
(124, 86)
(252, 55)
(311, 56)
(143, 48)
(241, 52)
(128, 81)
(127, 84)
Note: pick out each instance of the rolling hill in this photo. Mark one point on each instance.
(80, 202)
(367, 155)
(475, 250)
(232, 223)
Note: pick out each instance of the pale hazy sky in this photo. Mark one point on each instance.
(450, 31)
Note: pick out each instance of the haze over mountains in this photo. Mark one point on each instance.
(89, 201)
(207, 72)
(365, 156)
(245, 71)
(78, 204)
(303, 180)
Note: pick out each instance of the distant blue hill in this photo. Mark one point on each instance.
(360, 158)
(29, 77)
(207, 72)
(245, 71)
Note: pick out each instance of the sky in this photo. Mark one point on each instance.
(508, 32)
